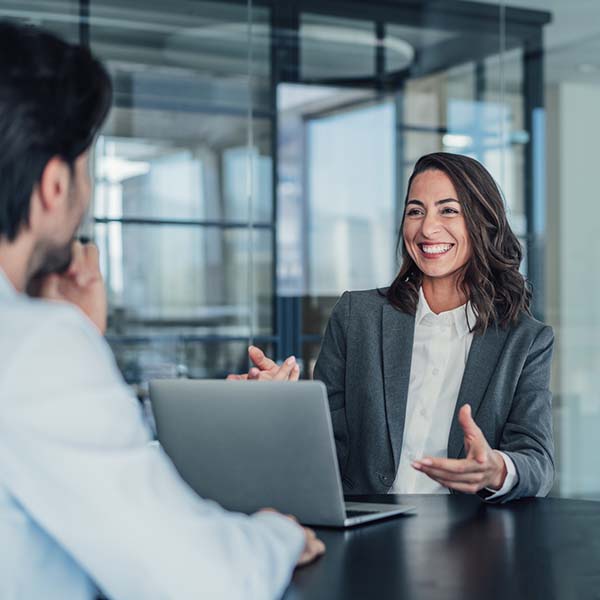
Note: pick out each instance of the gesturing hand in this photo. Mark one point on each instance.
(266, 369)
(482, 468)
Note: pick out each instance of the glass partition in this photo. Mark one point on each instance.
(254, 167)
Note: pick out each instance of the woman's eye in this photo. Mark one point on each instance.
(449, 211)
(413, 212)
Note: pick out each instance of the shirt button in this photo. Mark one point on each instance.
(385, 479)
(423, 413)
(436, 371)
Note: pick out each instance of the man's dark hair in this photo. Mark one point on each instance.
(54, 97)
(491, 279)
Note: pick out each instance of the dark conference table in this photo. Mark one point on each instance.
(457, 547)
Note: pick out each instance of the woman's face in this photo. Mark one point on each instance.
(435, 233)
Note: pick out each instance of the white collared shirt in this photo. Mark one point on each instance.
(85, 501)
(440, 350)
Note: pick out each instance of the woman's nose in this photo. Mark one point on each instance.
(430, 225)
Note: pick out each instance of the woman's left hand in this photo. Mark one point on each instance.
(482, 468)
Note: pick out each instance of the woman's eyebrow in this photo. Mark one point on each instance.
(438, 202)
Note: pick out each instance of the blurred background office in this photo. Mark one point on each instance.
(255, 162)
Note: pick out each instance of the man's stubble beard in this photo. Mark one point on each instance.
(57, 258)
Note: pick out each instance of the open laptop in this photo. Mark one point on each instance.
(251, 445)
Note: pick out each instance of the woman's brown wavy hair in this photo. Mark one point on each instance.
(491, 279)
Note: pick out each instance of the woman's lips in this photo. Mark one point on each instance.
(432, 251)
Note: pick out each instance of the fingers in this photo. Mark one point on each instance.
(91, 265)
(289, 371)
(466, 421)
(91, 254)
(234, 377)
(295, 374)
(258, 357)
(76, 258)
(313, 548)
(449, 465)
(286, 369)
(443, 475)
(465, 488)
(84, 267)
(479, 450)
(475, 442)
(451, 472)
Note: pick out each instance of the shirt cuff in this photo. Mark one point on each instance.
(509, 481)
(289, 532)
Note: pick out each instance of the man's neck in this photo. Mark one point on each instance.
(442, 294)
(15, 261)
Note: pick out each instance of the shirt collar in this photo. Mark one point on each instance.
(460, 318)
(7, 289)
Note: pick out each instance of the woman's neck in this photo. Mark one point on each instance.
(443, 294)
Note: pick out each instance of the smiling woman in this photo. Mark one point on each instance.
(435, 233)
(456, 239)
(441, 382)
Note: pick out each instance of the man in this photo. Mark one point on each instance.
(85, 501)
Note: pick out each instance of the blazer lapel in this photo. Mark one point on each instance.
(397, 333)
(481, 363)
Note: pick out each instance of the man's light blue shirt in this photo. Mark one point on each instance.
(86, 502)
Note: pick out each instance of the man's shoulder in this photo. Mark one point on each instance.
(40, 332)
(58, 373)
(30, 317)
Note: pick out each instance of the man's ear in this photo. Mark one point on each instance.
(53, 189)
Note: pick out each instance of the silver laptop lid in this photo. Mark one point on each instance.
(250, 445)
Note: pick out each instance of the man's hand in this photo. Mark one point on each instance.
(313, 546)
(266, 369)
(482, 468)
(81, 285)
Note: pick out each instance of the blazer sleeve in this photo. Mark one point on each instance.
(527, 436)
(331, 370)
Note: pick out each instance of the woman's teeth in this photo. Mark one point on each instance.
(436, 249)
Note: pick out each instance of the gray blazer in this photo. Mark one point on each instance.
(365, 364)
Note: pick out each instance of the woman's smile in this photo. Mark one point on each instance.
(434, 251)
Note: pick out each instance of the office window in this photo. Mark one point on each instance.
(183, 207)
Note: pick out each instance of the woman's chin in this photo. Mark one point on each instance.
(439, 273)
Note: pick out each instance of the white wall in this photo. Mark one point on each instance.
(573, 263)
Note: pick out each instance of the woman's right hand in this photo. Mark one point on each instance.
(266, 369)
